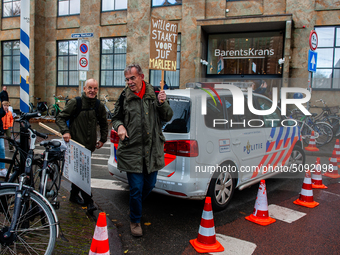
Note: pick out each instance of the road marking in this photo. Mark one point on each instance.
(99, 156)
(327, 196)
(108, 184)
(284, 214)
(100, 165)
(234, 246)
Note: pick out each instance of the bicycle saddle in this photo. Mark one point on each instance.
(314, 114)
(54, 144)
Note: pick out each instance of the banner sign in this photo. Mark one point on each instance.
(77, 168)
(163, 45)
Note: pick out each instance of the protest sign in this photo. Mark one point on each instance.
(163, 45)
(77, 168)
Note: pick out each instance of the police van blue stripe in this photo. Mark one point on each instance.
(293, 135)
(287, 135)
(279, 137)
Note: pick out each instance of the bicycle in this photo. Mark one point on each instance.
(108, 111)
(41, 107)
(328, 115)
(55, 109)
(323, 132)
(48, 177)
(28, 222)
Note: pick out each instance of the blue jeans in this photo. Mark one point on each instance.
(2, 152)
(140, 187)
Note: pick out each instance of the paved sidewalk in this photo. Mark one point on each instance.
(78, 227)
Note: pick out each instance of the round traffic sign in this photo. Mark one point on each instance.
(83, 48)
(83, 62)
(313, 40)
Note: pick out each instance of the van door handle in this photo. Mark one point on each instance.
(237, 142)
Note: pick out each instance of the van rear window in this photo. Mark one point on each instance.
(180, 122)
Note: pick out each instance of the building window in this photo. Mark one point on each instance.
(11, 63)
(11, 8)
(67, 63)
(68, 7)
(327, 75)
(171, 78)
(114, 5)
(165, 2)
(245, 53)
(112, 61)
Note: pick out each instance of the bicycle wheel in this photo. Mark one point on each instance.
(335, 123)
(51, 182)
(44, 113)
(325, 133)
(52, 111)
(35, 231)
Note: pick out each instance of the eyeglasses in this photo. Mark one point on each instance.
(132, 78)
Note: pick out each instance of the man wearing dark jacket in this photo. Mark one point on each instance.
(137, 120)
(4, 94)
(83, 130)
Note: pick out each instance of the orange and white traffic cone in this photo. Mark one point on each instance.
(333, 167)
(337, 150)
(100, 241)
(206, 240)
(260, 214)
(312, 144)
(306, 195)
(317, 177)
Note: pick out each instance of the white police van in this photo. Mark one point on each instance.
(212, 154)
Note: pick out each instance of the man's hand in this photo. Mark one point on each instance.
(161, 97)
(67, 137)
(122, 133)
(99, 144)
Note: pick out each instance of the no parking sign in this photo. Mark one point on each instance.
(83, 55)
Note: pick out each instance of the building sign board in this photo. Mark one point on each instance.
(163, 45)
(82, 35)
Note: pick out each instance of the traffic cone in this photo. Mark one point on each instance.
(306, 195)
(317, 177)
(337, 150)
(260, 214)
(206, 240)
(312, 144)
(100, 241)
(333, 171)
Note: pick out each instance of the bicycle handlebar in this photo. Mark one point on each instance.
(27, 116)
(42, 135)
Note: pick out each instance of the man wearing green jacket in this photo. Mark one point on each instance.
(83, 129)
(137, 119)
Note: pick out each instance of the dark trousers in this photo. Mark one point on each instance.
(141, 186)
(75, 191)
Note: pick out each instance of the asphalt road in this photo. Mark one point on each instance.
(169, 223)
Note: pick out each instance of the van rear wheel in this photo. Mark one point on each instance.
(221, 189)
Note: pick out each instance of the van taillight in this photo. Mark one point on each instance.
(184, 148)
(114, 137)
